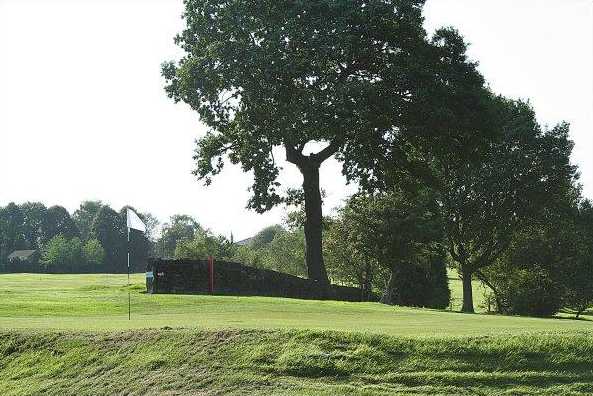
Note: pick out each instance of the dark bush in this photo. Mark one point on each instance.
(419, 284)
(440, 294)
(529, 292)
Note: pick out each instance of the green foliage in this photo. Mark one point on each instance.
(341, 76)
(286, 253)
(548, 264)
(439, 294)
(578, 271)
(30, 226)
(85, 215)
(532, 291)
(492, 188)
(93, 255)
(396, 234)
(58, 222)
(350, 259)
(11, 231)
(265, 236)
(245, 254)
(179, 228)
(424, 283)
(204, 244)
(34, 220)
(528, 278)
(110, 230)
(102, 247)
(277, 249)
(152, 224)
(280, 73)
(63, 255)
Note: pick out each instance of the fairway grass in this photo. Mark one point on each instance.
(100, 302)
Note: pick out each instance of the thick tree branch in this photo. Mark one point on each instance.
(327, 152)
(493, 252)
(482, 278)
(294, 155)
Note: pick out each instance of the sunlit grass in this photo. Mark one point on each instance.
(100, 302)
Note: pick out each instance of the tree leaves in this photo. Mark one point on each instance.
(283, 73)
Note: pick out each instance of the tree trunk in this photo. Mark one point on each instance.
(367, 281)
(468, 298)
(313, 226)
(388, 295)
(499, 306)
(580, 311)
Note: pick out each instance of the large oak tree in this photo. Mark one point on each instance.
(278, 73)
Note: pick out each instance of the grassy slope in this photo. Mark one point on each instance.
(256, 362)
(269, 347)
(99, 302)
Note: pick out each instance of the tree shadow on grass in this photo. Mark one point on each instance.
(586, 316)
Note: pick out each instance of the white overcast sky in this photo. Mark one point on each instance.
(83, 114)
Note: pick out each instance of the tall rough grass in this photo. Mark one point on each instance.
(250, 362)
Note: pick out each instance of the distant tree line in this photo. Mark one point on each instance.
(393, 245)
(92, 239)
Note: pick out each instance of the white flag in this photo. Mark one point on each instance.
(135, 222)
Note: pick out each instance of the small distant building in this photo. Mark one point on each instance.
(23, 261)
(244, 242)
(22, 255)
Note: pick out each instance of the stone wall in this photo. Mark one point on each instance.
(192, 277)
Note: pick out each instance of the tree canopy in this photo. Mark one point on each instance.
(490, 187)
(178, 228)
(335, 77)
(85, 215)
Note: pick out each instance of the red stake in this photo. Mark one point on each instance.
(210, 274)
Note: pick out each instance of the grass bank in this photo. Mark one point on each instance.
(294, 362)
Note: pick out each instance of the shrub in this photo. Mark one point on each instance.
(420, 284)
(577, 279)
(532, 291)
(440, 294)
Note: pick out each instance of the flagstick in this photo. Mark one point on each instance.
(129, 297)
(128, 256)
(133, 221)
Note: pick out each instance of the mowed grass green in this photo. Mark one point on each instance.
(70, 335)
(100, 302)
